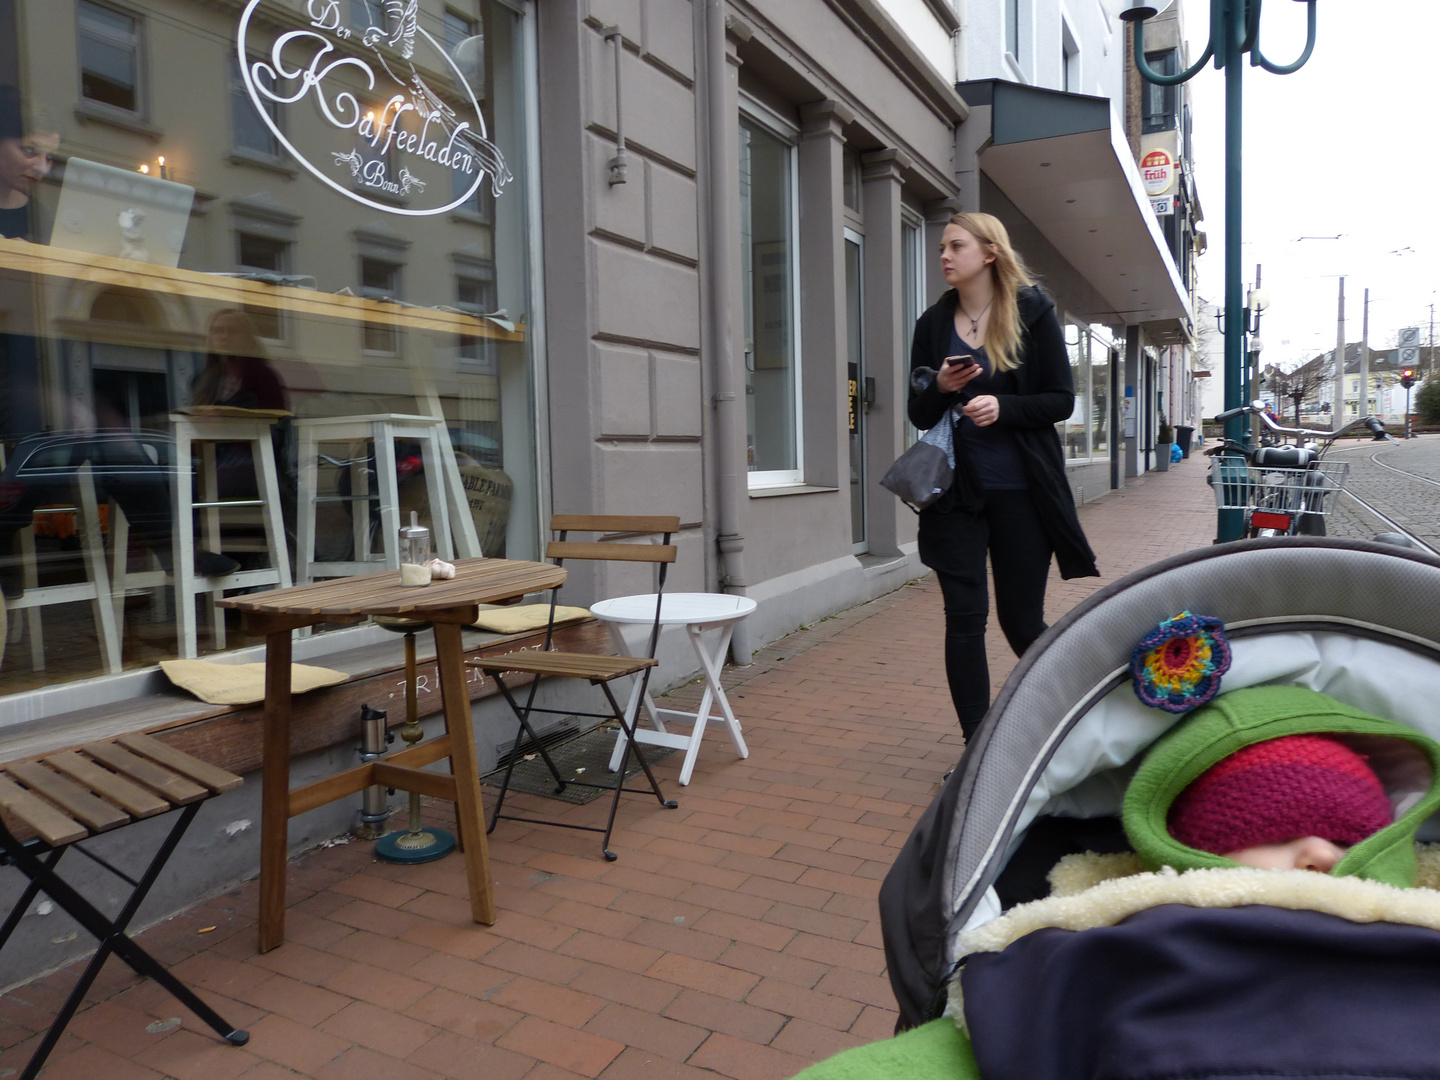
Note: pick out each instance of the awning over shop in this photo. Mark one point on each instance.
(1064, 164)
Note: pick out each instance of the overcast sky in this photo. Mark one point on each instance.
(1346, 147)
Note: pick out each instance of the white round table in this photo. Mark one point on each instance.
(709, 619)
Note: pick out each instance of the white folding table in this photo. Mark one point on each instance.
(709, 619)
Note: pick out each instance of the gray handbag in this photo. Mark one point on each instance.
(924, 472)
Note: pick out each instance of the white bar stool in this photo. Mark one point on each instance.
(709, 619)
(126, 582)
(448, 507)
(95, 588)
(207, 431)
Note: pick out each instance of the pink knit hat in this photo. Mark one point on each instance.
(1280, 790)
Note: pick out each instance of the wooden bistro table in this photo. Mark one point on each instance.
(448, 605)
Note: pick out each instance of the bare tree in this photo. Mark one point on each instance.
(1298, 387)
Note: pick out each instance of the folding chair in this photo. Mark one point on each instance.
(596, 669)
(68, 796)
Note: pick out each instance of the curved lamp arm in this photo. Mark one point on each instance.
(1138, 15)
(1256, 58)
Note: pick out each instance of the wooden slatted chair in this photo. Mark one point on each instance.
(65, 797)
(598, 670)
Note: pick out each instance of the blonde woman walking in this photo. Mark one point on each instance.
(989, 357)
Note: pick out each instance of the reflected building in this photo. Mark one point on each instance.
(331, 176)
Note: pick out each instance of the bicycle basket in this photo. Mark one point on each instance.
(1241, 486)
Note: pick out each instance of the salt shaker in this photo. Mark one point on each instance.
(414, 553)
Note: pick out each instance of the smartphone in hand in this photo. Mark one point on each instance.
(960, 361)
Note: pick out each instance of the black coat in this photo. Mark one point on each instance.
(1033, 398)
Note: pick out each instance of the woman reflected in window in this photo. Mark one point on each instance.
(27, 153)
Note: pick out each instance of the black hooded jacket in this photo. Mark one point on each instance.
(1033, 398)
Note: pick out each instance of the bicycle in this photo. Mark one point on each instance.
(1283, 489)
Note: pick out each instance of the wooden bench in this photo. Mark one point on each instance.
(49, 804)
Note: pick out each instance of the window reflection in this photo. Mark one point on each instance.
(109, 56)
(272, 299)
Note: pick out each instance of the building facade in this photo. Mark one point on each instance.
(577, 256)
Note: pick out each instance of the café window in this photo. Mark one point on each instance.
(109, 57)
(294, 306)
(768, 246)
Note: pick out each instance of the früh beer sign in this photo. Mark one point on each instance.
(1157, 171)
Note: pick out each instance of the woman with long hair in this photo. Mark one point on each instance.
(989, 357)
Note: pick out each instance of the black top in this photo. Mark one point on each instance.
(15, 223)
(990, 448)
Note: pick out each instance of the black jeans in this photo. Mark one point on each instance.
(955, 545)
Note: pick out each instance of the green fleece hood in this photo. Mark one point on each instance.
(1407, 762)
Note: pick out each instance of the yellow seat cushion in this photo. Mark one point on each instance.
(517, 620)
(241, 684)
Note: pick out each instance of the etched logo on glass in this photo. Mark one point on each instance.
(408, 139)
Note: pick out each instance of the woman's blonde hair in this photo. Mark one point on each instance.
(1010, 274)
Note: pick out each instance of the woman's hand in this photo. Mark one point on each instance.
(983, 410)
(953, 375)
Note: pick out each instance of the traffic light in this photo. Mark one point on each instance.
(1407, 378)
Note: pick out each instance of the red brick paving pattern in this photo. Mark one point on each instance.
(736, 936)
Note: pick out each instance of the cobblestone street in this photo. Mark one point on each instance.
(1400, 483)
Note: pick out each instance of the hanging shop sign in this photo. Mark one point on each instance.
(1162, 205)
(390, 134)
(1157, 172)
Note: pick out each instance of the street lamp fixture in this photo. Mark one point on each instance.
(1234, 31)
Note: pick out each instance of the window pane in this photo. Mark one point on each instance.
(910, 273)
(457, 29)
(249, 128)
(767, 254)
(264, 255)
(379, 280)
(1099, 397)
(105, 21)
(107, 57)
(1075, 434)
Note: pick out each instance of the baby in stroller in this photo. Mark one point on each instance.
(1267, 912)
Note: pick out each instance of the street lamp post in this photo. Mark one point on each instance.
(1234, 31)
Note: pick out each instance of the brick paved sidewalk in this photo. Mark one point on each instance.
(737, 936)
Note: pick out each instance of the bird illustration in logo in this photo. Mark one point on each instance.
(403, 18)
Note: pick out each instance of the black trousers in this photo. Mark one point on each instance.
(955, 545)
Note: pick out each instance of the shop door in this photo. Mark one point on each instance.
(859, 398)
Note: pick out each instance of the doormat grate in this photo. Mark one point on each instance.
(583, 758)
